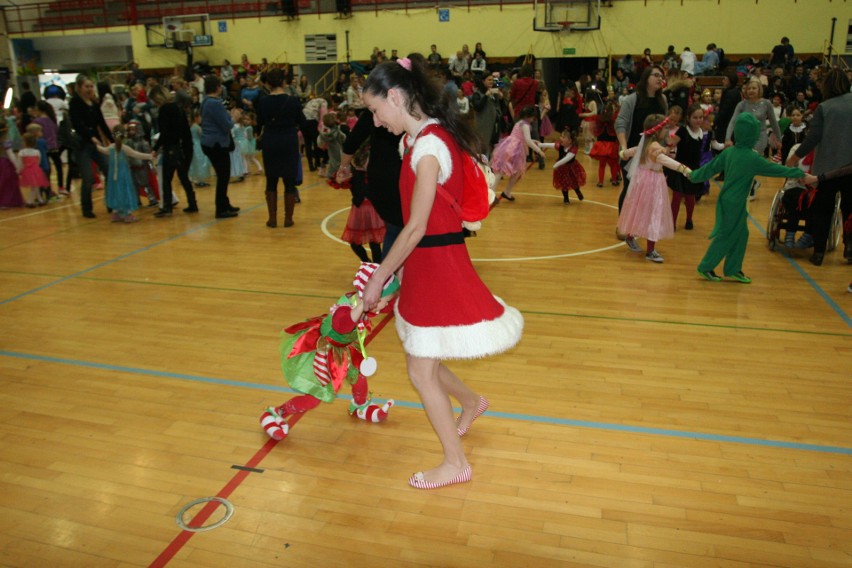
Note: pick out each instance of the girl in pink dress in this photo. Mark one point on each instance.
(444, 310)
(32, 177)
(509, 157)
(646, 211)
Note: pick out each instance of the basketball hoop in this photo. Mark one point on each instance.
(566, 26)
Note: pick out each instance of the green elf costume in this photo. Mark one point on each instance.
(740, 164)
(319, 354)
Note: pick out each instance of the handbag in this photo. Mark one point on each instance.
(66, 136)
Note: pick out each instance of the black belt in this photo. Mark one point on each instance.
(441, 240)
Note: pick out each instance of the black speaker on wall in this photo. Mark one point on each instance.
(344, 7)
(289, 8)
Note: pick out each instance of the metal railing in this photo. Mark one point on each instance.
(832, 57)
(71, 15)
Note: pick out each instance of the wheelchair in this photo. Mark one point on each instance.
(779, 219)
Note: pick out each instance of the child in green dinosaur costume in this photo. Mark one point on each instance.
(740, 164)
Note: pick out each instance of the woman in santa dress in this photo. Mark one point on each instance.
(444, 310)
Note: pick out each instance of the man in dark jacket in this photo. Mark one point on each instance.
(731, 96)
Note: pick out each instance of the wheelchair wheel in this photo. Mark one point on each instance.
(776, 217)
(835, 234)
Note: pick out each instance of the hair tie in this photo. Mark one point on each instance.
(656, 128)
(405, 63)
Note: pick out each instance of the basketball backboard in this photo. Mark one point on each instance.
(190, 30)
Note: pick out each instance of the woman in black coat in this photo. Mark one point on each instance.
(279, 118)
(175, 146)
(91, 129)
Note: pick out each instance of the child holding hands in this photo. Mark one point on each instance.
(740, 164)
(509, 157)
(690, 143)
(122, 197)
(646, 211)
(568, 173)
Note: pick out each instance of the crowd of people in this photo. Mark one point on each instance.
(222, 119)
(649, 124)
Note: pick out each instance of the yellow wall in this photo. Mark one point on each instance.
(739, 26)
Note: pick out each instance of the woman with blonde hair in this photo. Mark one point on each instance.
(756, 105)
(91, 128)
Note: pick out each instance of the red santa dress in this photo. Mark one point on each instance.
(444, 310)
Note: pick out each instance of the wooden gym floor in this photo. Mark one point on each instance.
(647, 418)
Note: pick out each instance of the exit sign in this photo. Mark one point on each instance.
(569, 51)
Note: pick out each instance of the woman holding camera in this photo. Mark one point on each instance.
(486, 102)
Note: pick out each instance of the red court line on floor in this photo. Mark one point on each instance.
(201, 517)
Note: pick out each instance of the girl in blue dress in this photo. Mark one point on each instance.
(238, 163)
(199, 168)
(121, 196)
(250, 143)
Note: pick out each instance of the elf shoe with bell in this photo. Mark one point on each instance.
(273, 424)
(370, 412)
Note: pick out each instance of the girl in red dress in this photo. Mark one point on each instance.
(568, 173)
(605, 148)
(444, 310)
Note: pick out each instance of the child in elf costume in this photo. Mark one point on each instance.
(319, 354)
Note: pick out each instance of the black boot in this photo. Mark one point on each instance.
(191, 204)
(272, 208)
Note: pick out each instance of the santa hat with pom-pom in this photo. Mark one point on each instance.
(365, 272)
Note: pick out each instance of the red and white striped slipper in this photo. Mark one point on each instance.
(418, 482)
(483, 406)
(274, 425)
(371, 412)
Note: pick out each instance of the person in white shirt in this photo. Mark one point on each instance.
(687, 61)
(478, 65)
(463, 103)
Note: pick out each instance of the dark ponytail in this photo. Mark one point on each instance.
(423, 91)
(48, 110)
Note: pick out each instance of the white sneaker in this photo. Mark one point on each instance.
(632, 244)
(752, 194)
(654, 256)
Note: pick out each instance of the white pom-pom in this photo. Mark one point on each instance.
(368, 367)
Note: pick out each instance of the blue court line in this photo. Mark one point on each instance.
(826, 298)
(831, 303)
(606, 426)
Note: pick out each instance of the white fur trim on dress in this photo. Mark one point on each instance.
(472, 341)
(431, 145)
